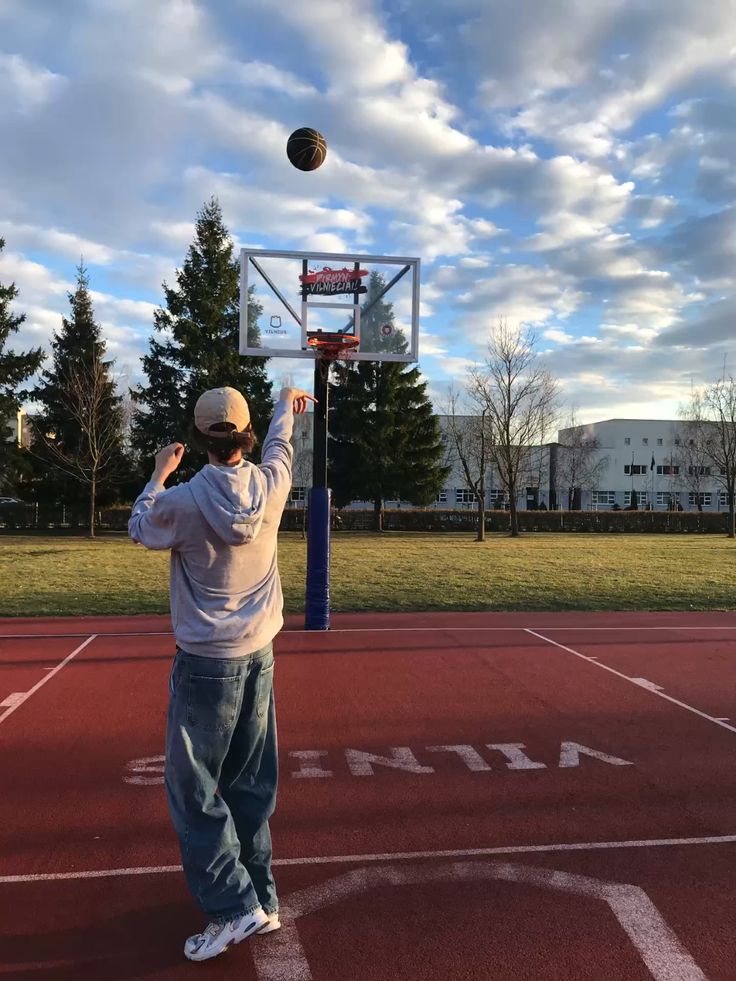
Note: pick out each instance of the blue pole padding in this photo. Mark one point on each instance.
(317, 608)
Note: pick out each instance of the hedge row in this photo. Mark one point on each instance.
(409, 519)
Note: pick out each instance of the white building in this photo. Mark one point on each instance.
(647, 456)
(652, 458)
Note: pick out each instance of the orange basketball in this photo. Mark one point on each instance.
(306, 149)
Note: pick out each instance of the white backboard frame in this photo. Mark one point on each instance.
(248, 274)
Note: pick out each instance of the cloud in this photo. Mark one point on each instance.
(260, 74)
(364, 60)
(652, 211)
(715, 323)
(66, 244)
(581, 79)
(291, 218)
(705, 247)
(519, 293)
(26, 86)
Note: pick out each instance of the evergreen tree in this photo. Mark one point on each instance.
(198, 345)
(78, 434)
(15, 368)
(385, 440)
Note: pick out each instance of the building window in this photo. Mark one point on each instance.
(645, 441)
(641, 499)
(703, 471)
(497, 499)
(464, 496)
(441, 497)
(635, 469)
(723, 499)
(664, 499)
(659, 442)
(667, 470)
(627, 440)
(602, 499)
(677, 440)
(298, 495)
(704, 500)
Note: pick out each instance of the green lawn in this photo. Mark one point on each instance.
(74, 576)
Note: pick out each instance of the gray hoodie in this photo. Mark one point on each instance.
(221, 527)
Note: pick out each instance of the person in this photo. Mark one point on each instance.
(221, 768)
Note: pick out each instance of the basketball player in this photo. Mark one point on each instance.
(227, 607)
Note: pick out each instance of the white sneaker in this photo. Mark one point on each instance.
(274, 923)
(219, 936)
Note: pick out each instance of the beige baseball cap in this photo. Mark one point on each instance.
(220, 405)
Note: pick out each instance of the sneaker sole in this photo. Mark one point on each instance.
(269, 928)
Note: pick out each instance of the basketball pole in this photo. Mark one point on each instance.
(317, 603)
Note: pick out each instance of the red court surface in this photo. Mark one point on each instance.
(463, 796)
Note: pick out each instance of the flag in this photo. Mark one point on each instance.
(651, 465)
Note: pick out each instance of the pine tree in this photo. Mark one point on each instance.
(15, 368)
(78, 435)
(198, 345)
(385, 440)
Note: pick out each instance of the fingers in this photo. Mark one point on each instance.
(301, 402)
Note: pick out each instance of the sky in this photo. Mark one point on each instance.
(569, 165)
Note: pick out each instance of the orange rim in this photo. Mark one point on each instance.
(332, 344)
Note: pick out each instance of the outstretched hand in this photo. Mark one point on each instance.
(299, 399)
(167, 460)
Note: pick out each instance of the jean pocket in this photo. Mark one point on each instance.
(212, 703)
(265, 686)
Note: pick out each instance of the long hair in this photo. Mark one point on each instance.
(223, 447)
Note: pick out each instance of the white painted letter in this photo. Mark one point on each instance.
(361, 764)
(151, 765)
(516, 759)
(570, 754)
(309, 764)
(470, 757)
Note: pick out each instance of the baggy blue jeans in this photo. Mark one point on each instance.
(221, 775)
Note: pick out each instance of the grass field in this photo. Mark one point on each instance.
(76, 576)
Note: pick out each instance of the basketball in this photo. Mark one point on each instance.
(306, 149)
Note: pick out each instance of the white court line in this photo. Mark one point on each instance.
(85, 633)
(374, 630)
(283, 958)
(635, 681)
(393, 857)
(42, 682)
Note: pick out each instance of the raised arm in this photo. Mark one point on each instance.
(278, 452)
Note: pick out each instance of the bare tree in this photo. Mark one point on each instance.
(693, 456)
(519, 397)
(84, 390)
(719, 401)
(580, 466)
(471, 444)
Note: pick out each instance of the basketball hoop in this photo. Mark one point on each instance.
(331, 346)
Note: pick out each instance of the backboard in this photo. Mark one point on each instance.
(287, 296)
